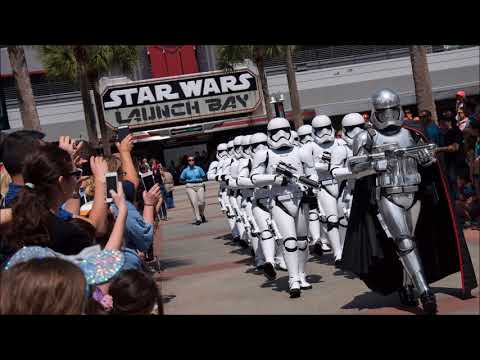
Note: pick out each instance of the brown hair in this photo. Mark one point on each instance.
(114, 163)
(30, 212)
(135, 293)
(49, 286)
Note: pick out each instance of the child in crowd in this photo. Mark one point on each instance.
(132, 292)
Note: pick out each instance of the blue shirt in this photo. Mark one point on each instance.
(13, 191)
(138, 234)
(433, 133)
(192, 174)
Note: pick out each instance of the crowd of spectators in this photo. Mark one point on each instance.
(65, 249)
(457, 137)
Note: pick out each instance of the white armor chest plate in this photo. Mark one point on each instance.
(401, 171)
(292, 158)
(324, 149)
(235, 169)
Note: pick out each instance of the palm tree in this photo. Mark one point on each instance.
(232, 54)
(421, 79)
(86, 64)
(26, 100)
(292, 86)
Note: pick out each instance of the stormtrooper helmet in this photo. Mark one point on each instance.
(386, 110)
(296, 139)
(352, 125)
(322, 129)
(222, 151)
(258, 142)
(305, 134)
(246, 145)
(230, 148)
(279, 133)
(237, 146)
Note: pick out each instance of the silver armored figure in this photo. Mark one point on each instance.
(394, 156)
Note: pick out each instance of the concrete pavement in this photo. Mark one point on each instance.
(205, 273)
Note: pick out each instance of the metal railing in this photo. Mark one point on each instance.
(332, 56)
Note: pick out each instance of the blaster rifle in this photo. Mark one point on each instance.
(288, 171)
(388, 154)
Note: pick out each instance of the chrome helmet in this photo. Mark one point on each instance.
(386, 109)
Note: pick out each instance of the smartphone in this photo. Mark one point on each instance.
(122, 133)
(111, 182)
(148, 180)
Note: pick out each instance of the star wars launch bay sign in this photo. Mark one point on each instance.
(167, 100)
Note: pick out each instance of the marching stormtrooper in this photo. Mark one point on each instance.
(318, 240)
(352, 125)
(215, 169)
(397, 182)
(289, 213)
(235, 195)
(267, 231)
(324, 144)
(222, 174)
(245, 198)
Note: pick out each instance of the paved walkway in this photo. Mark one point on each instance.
(206, 274)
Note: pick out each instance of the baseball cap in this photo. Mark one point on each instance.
(98, 266)
(461, 93)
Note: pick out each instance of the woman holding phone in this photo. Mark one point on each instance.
(194, 177)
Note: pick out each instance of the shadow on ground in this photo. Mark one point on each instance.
(167, 298)
(372, 300)
(281, 283)
(171, 263)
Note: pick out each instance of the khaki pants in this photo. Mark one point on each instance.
(196, 195)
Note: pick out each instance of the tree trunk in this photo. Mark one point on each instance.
(26, 100)
(421, 78)
(101, 119)
(259, 61)
(293, 90)
(80, 57)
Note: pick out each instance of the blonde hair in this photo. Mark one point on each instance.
(90, 186)
(5, 180)
(114, 163)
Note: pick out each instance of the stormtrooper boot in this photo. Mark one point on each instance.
(302, 261)
(279, 259)
(291, 260)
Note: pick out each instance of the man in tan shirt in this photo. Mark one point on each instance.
(169, 185)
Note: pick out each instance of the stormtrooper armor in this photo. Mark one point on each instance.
(215, 169)
(234, 195)
(222, 176)
(318, 242)
(352, 125)
(296, 139)
(266, 228)
(321, 149)
(305, 134)
(285, 204)
(397, 181)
